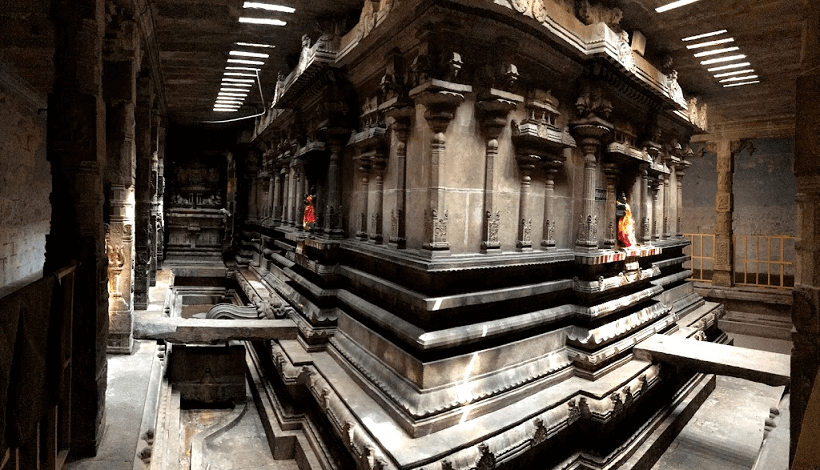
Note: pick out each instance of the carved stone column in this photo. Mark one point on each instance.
(277, 196)
(526, 164)
(144, 192)
(378, 199)
(723, 270)
(611, 172)
(441, 101)
(550, 216)
(76, 150)
(364, 168)
(269, 200)
(152, 237)
(285, 193)
(591, 132)
(667, 205)
(492, 114)
(299, 201)
(655, 189)
(680, 170)
(646, 219)
(401, 127)
(333, 211)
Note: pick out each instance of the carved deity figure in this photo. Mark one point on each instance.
(310, 215)
(626, 224)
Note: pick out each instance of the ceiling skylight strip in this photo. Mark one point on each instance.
(237, 85)
(723, 59)
(739, 84)
(729, 66)
(259, 55)
(710, 43)
(673, 5)
(717, 51)
(224, 94)
(239, 74)
(244, 61)
(238, 80)
(272, 22)
(253, 44)
(269, 7)
(739, 79)
(223, 110)
(736, 72)
(252, 69)
(704, 35)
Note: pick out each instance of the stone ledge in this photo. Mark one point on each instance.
(203, 331)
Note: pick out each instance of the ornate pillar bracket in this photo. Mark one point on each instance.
(401, 114)
(441, 98)
(492, 117)
(591, 131)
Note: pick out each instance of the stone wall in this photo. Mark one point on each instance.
(699, 188)
(25, 182)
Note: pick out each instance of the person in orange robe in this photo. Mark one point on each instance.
(310, 215)
(626, 225)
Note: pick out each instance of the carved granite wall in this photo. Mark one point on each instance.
(25, 182)
(764, 189)
(699, 189)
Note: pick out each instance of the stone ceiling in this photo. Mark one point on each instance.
(194, 37)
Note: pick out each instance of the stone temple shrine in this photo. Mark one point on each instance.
(404, 234)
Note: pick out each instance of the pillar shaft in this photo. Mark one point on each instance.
(143, 193)
(646, 219)
(722, 275)
(548, 237)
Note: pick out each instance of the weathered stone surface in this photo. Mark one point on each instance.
(759, 366)
(204, 331)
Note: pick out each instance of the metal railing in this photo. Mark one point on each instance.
(759, 260)
(764, 260)
(702, 251)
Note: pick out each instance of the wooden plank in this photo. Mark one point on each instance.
(205, 331)
(759, 366)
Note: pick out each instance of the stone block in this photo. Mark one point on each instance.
(209, 374)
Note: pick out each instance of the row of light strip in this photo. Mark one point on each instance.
(723, 67)
(242, 71)
(728, 79)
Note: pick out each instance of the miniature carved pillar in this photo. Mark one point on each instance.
(378, 199)
(76, 150)
(548, 238)
(667, 205)
(299, 204)
(591, 134)
(285, 193)
(492, 115)
(526, 164)
(723, 269)
(646, 231)
(679, 174)
(152, 224)
(364, 168)
(277, 196)
(441, 106)
(333, 214)
(269, 200)
(401, 126)
(654, 187)
(611, 172)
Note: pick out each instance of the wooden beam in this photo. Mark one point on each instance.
(758, 366)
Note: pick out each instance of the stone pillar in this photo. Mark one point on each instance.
(364, 168)
(646, 230)
(548, 237)
(76, 149)
(655, 189)
(680, 170)
(299, 201)
(160, 206)
(378, 199)
(723, 272)
(277, 196)
(120, 56)
(401, 128)
(143, 192)
(294, 195)
(492, 115)
(667, 205)
(611, 172)
(285, 193)
(805, 357)
(269, 200)
(590, 134)
(440, 111)
(526, 164)
(152, 224)
(333, 212)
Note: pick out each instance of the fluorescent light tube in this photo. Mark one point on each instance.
(705, 35)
